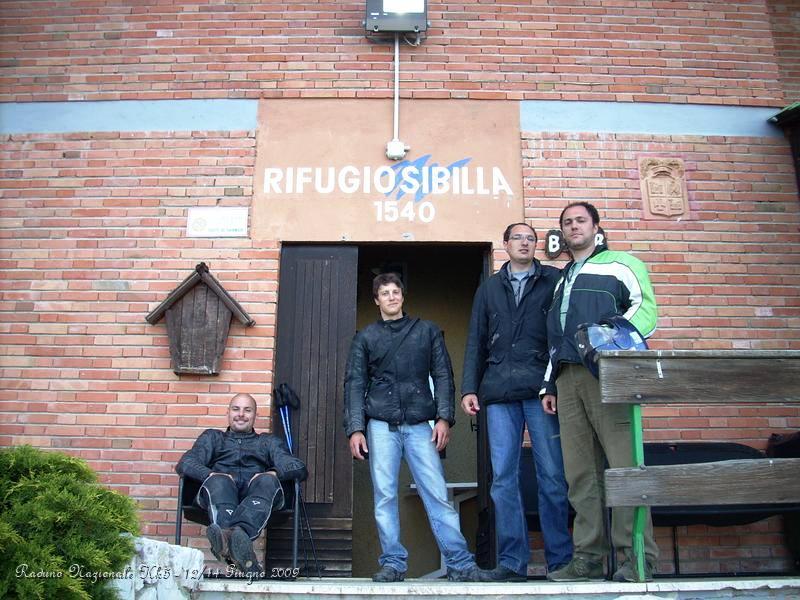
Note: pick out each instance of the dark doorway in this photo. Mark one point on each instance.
(325, 294)
(440, 284)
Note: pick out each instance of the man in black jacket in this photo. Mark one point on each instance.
(241, 471)
(388, 398)
(504, 364)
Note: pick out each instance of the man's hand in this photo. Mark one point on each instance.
(549, 404)
(469, 404)
(358, 446)
(441, 434)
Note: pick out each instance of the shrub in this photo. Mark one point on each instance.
(59, 526)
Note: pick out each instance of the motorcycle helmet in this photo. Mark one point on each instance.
(612, 333)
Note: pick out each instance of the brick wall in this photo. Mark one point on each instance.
(92, 224)
(728, 277)
(785, 16)
(93, 239)
(633, 50)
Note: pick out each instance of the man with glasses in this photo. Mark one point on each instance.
(504, 364)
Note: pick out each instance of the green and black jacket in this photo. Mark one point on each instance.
(610, 283)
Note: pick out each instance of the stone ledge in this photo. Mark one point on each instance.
(787, 588)
(161, 571)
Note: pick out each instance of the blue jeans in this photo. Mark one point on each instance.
(505, 423)
(412, 442)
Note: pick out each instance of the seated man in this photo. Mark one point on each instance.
(241, 472)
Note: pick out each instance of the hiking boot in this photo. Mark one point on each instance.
(578, 569)
(627, 572)
(220, 541)
(388, 575)
(501, 573)
(242, 554)
(473, 573)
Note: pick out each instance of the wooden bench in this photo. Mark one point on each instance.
(674, 516)
(698, 377)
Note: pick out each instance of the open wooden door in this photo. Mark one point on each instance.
(316, 323)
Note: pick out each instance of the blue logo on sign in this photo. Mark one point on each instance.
(417, 171)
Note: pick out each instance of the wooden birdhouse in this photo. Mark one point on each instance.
(198, 315)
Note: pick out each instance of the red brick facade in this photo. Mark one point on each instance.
(628, 51)
(92, 224)
(785, 33)
(727, 278)
(93, 239)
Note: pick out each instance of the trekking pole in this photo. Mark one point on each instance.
(285, 397)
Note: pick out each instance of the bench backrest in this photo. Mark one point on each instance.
(703, 377)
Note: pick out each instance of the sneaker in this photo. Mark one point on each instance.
(388, 575)
(220, 541)
(473, 573)
(578, 569)
(241, 549)
(627, 572)
(501, 573)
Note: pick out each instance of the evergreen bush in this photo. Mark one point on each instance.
(60, 530)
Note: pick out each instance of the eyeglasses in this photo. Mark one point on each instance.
(518, 237)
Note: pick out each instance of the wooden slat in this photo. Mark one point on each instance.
(333, 540)
(173, 318)
(187, 333)
(340, 461)
(316, 400)
(302, 302)
(179, 292)
(706, 353)
(198, 323)
(329, 420)
(222, 318)
(759, 481)
(693, 377)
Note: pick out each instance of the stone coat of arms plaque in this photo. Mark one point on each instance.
(663, 184)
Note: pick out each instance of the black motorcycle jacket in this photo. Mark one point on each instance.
(402, 393)
(241, 455)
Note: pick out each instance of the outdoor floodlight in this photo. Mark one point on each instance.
(397, 16)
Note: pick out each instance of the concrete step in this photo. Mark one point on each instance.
(781, 588)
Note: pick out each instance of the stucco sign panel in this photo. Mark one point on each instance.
(321, 173)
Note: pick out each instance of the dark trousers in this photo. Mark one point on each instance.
(246, 503)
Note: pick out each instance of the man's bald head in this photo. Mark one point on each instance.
(242, 413)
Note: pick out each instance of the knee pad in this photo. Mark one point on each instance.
(267, 488)
(219, 496)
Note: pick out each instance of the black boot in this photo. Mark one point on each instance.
(220, 542)
(242, 553)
